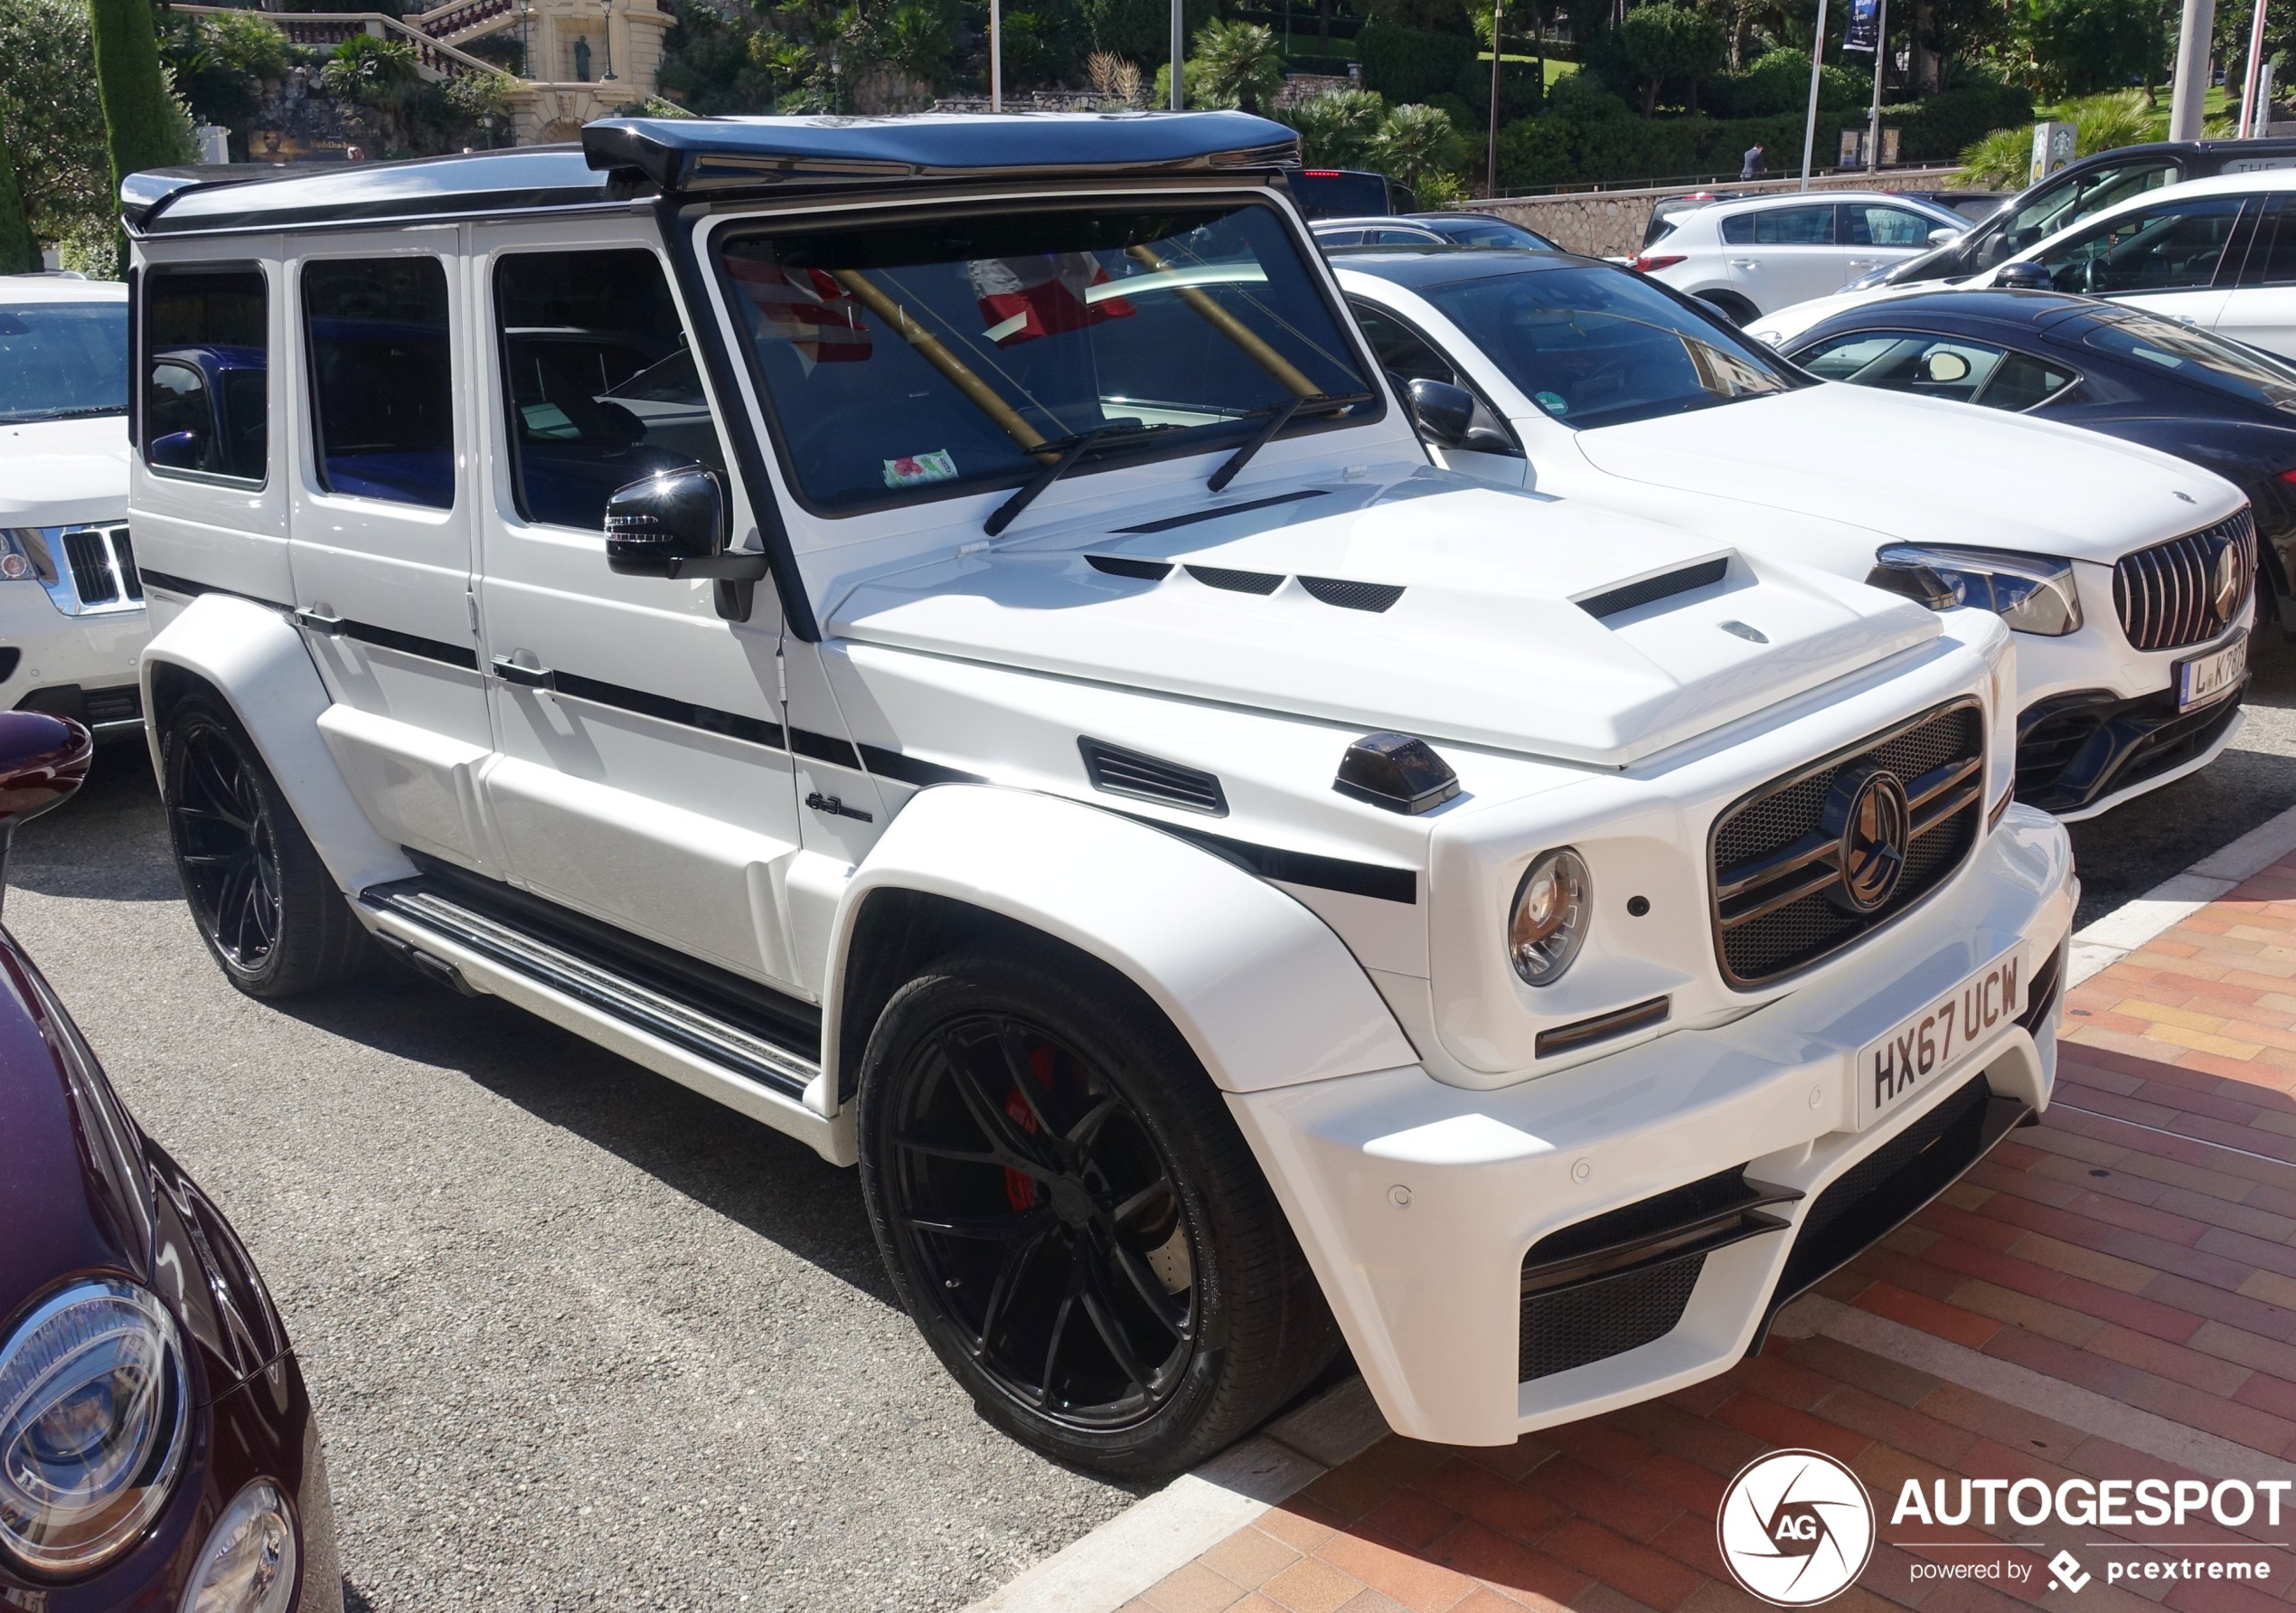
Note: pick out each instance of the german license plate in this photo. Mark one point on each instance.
(2208, 677)
(1936, 1036)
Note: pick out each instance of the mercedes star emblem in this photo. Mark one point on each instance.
(1866, 810)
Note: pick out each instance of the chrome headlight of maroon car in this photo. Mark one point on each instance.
(94, 1400)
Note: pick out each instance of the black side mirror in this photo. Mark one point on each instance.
(178, 450)
(675, 523)
(2022, 276)
(1443, 411)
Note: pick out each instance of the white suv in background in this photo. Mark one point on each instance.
(1747, 257)
(71, 605)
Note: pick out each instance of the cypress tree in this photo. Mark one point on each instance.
(19, 252)
(139, 117)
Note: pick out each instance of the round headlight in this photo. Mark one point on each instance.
(248, 1564)
(1549, 916)
(93, 1403)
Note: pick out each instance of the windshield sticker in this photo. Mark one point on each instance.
(1552, 403)
(1022, 299)
(917, 470)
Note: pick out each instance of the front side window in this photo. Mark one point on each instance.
(1602, 346)
(205, 368)
(1809, 225)
(2176, 247)
(2195, 356)
(382, 401)
(62, 361)
(601, 384)
(914, 359)
(2272, 255)
(2065, 204)
(1408, 356)
(1930, 366)
(1874, 224)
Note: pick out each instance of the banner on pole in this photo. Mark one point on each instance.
(1864, 26)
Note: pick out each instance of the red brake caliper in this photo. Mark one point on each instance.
(1019, 1187)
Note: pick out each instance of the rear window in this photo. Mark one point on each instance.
(205, 372)
(2195, 356)
(382, 392)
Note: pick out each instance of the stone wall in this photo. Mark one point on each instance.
(1610, 223)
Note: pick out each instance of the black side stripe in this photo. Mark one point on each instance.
(823, 747)
(756, 730)
(409, 644)
(1169, 521)
(1375, 880)
(191, 589)
(913, 769)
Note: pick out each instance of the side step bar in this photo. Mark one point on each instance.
(672, 1029)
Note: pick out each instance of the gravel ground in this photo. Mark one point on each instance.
(578, 1338)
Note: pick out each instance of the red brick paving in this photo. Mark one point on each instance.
(2140, 1242)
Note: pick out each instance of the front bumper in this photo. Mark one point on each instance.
(2081, 754)
(78, 666)
(262, 1429)
(1417, 1201)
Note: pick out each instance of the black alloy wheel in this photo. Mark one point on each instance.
(265, 904)
(1073, 1219)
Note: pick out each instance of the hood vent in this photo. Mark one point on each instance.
(1663, 586)
(1241, 582)
(1119, 565)
(1123, 772)
(1353, 595)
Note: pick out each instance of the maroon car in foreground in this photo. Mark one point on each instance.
(157, 1450)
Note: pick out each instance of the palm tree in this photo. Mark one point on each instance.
(1241, 65)
(1415, 141)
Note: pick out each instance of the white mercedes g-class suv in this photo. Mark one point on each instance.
(938, 632)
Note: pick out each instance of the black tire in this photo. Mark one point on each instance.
(1031, 1126)
(264, 903)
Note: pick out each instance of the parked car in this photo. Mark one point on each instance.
(71, 605)
(1429, 229)
(2076, 192)
(157, 1446)
(2127, 574)
(1347, 193)
(2218, 254)
(1667, 210)
(1748, 257)
(1060, 746)
(2124, 372)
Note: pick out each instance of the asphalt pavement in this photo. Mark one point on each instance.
(579, 1338)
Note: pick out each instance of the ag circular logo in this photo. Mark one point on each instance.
(1796, 1527)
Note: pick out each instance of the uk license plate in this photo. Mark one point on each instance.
(1934, 1037)
(2210, 677)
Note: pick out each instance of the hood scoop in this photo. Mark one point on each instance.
(1615, 601)
(1239, 582)
(1353, 595)
(1124, 565)
(1344, 593)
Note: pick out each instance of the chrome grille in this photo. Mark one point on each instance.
(2166, 595)
(100, 566)
(1778, 882)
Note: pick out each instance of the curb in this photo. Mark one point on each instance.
(1163, 1532)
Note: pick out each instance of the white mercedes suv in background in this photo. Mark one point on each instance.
(935, 633)
(71, 605)
(2127, 575)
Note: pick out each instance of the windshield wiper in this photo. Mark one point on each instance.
(1278, 416)
(1070, 448)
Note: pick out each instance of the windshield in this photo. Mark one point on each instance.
(59, 360)
(911, 360)
(2196, 357)
(1601, 346)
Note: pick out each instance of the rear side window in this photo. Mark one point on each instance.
(382, 392)
(601, 382)
(1804, 226)
(2174, 246)
(206, 354)
(1874, 224)
(2271, 259)
(1933, 366)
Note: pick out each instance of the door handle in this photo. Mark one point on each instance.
(1746, 263)
(523, 675)
(319, 621)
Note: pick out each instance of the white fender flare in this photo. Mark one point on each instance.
(255, 659)
(1265, 994)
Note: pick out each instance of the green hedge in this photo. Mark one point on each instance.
(1412, 64)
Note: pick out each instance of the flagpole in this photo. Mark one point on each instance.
(1817, 64)
(1873, 123)
(1491, 165)
(1179, 91)
(996, 56)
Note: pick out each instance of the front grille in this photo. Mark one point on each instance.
(2076, 749)
(102, 565)
(2166, 595)
(1781, 902)
(1606, 1317)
